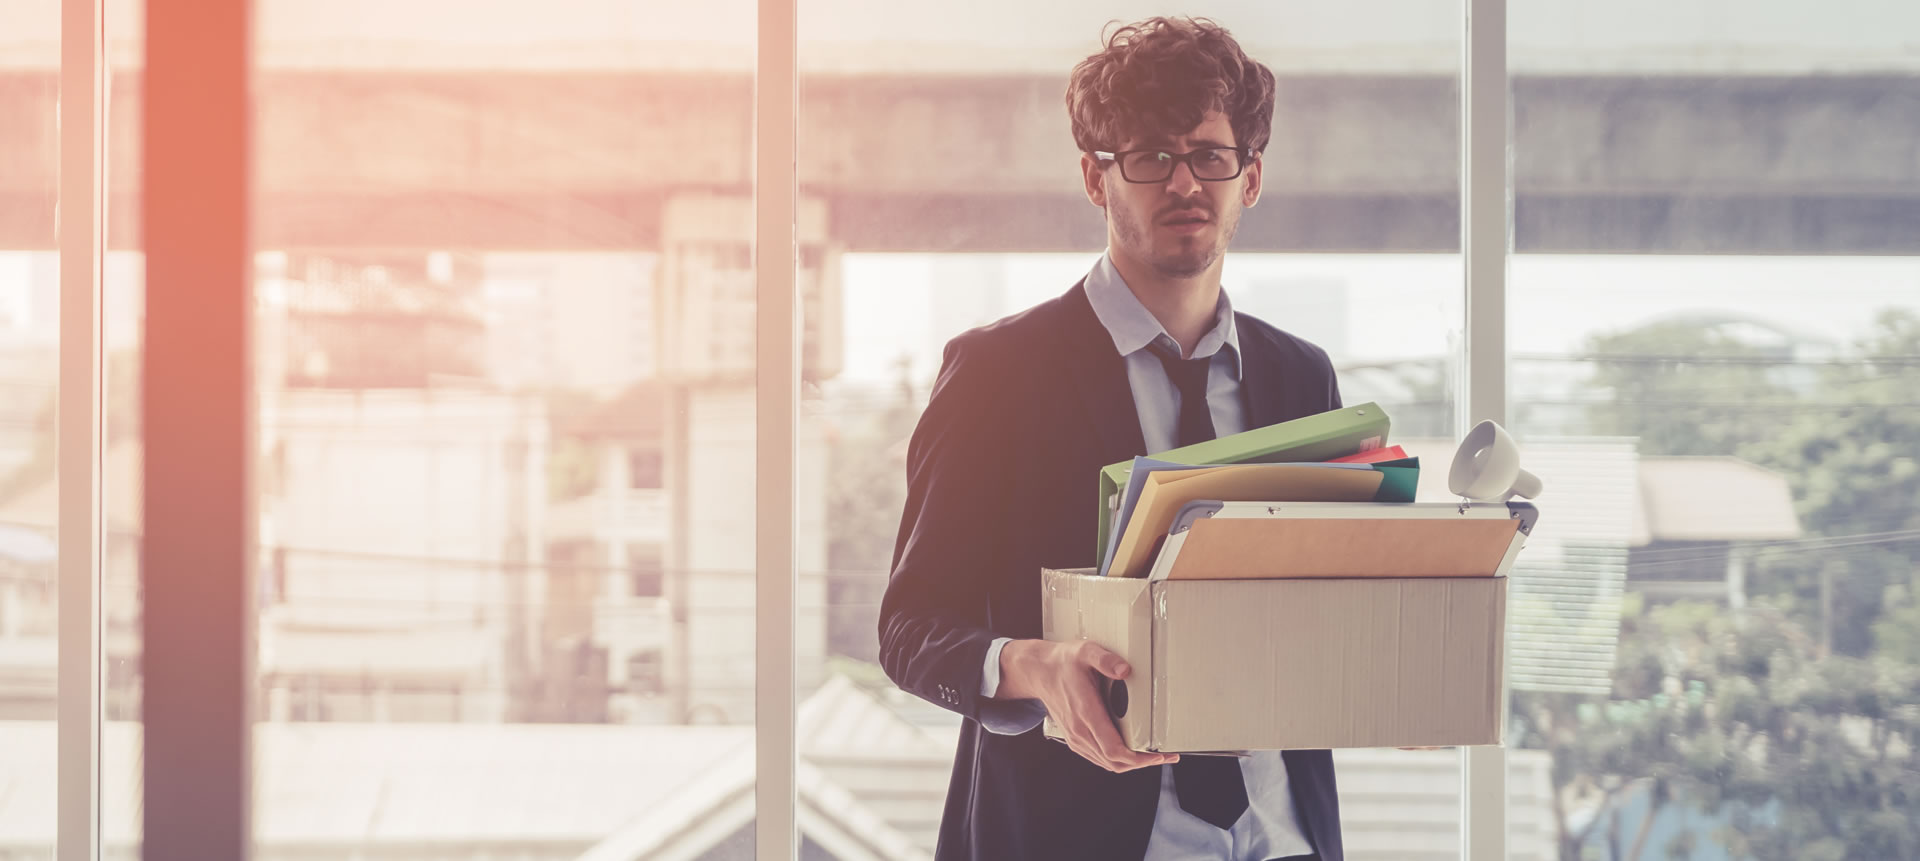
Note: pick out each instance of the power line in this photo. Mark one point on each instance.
(1521, 401)
(1888, 360)
(1767, 553)
(1862, 538)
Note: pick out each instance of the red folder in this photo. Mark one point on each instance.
(1392, 452)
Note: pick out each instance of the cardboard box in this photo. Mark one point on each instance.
(1278, 664)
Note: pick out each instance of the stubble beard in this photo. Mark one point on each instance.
(1136, 232)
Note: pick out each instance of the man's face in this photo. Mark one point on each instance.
(1179, 227)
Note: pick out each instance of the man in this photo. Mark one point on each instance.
(1144, 354)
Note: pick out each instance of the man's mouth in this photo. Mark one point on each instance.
(1187, 223)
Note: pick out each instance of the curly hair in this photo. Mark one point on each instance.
(1161, 76)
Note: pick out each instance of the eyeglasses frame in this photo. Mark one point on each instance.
(1247, 156)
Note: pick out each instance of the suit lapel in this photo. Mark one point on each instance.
(1100, 378)
(1263, 379)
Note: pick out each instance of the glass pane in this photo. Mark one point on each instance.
(506, 424)
(29, 378)
(940, 185)
(1716, 345)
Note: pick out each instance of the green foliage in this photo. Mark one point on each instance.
(1845, 434)
(1685, 389)
(1735, 714)
(1854, 472)
(573, 459)
(866, 480)
(1796, 721)
(1897, 634)
(573, 467)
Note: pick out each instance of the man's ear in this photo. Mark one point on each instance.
(1095, 177)
(1251, 194)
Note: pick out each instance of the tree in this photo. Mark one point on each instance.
(1736, 716)
(1686, 387)
(1852, 465)
(866, 491)
(866, 479)
(573, 455)
(1794, 722)
(1844, 432)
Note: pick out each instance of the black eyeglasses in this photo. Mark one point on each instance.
(1212, 164)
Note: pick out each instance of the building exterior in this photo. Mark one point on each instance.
(872, 777)
(1698, 524)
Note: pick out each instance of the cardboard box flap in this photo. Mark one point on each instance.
(1245, 548)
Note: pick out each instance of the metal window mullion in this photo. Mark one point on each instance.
(1485, 240)
(79, 423)
(197, 420)
(776, 400)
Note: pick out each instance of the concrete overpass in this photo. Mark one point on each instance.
(541, 132)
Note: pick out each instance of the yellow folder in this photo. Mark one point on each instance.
(1166, 492)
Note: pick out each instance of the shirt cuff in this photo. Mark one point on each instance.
(990, 674)
(1011, 717)
(1005, 717)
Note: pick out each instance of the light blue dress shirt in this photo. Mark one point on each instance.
(1269, 828)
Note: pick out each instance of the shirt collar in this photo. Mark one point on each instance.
(1133, 327)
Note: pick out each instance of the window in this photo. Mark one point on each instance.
(515, 585)
(645, 470)
(1715, 325)
(507, 296)
(30, 554)
(649, 578)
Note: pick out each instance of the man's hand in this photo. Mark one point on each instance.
(1062, 677)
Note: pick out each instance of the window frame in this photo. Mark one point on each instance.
(80, 423)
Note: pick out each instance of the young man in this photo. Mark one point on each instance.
(1144, 354)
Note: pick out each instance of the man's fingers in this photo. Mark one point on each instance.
(1088, 730)
(1108, 754)
(1115, 748)
(1090, 716)
(1107, 750)
(1104, 662)
(1109, 740)
(1088, 747)
(1082, 747)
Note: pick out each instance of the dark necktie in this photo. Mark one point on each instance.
(1209, 787)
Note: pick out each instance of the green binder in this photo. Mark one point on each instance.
(1401, 479)
(1309, 439)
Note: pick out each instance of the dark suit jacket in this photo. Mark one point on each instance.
(1002, 476)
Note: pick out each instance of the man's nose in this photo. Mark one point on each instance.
(1182, 182)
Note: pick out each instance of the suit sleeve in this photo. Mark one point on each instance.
(933, 619)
